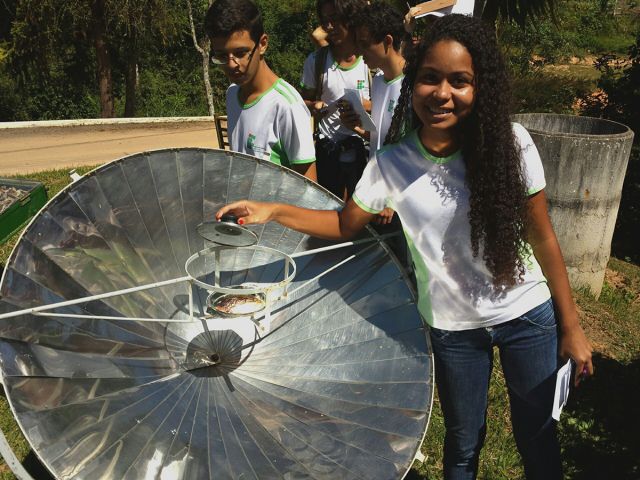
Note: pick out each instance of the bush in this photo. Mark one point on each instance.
(620, 102)
(543, 93)
(289, 25)
(169, 92)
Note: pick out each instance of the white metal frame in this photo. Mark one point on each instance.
(288, 276)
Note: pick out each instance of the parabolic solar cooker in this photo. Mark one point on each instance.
(141, 339)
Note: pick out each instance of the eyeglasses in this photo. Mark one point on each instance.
(239, 56)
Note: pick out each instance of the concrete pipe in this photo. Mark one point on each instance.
(585, 160)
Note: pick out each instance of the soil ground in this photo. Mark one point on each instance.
(30, 150)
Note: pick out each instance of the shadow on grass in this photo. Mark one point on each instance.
(414, 475)
(601, 428)
(38, 471)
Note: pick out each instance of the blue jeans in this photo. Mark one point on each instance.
(463, 361)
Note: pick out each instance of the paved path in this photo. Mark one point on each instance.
(24, 150)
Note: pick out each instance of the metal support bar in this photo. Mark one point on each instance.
(190, 293)
(104, 317)
(91, 298)
(320, 275)
(343, 245)
(10, 458)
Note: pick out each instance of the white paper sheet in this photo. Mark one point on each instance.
(353, 97)
(563, 384)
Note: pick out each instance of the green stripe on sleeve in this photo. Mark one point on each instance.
(536, 189)
(278, 155)
(363, 206)
(292, 92)
(281, 89)
(303, 160)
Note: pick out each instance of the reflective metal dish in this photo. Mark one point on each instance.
(341, 387)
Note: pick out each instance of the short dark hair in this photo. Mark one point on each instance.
(228, 16)
(346, 10)
(381, 19)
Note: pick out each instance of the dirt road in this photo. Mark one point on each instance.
(26, 150)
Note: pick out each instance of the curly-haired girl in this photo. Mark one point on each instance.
(468, 186)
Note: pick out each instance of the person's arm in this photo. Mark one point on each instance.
(327, 224)
(314, 106)
(307, 169)
(308, 88)
(540, 235)
(293, 127)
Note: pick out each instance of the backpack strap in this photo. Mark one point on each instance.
(321, 60)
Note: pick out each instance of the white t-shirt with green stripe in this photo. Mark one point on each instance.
(276, 126)
(384, 98)
(430, 197)
(334, 82)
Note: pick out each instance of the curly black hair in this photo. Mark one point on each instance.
(346, 10)
(225, 17)
(494, 175)
(381, 19)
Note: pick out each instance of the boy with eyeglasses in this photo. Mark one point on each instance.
(266, 117)
(340, 153)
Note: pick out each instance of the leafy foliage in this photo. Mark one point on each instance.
(541, 92)
(288, 46)
(576, 30)
(619, 100)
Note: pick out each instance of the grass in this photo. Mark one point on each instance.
(598, 428)
(584, 71)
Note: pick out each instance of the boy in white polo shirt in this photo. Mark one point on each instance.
(380, 35)
(266, 116)
(327, 72)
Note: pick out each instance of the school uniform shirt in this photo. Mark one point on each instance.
(384, 98)
(430, 197)
(276, 126)
(334, 81)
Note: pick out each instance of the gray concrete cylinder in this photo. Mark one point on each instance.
(585, 160)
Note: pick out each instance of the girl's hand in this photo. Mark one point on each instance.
(249, 212)
(575, 345)
(385, 216)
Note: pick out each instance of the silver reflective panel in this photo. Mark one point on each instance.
(339, 387)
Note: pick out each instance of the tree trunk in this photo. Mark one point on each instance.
(206, 78)
(105, 83)
(131, 79)
(204, 53)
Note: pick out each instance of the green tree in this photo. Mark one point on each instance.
(50, 36)
(517, 10)
(135, 27)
